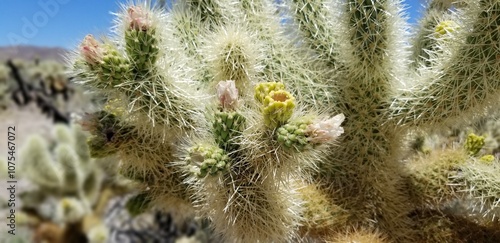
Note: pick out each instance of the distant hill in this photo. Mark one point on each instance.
(30, 52)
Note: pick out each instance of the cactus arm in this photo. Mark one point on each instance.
(423, 43)
(68, 159)
(190, 21)
(144, 159)
(37, 164)
(80, 146)
(446, 176)
(281, 61)
(187, 27)
(313, 20)
(232, 55)
(91, 186)
(208, 10)
(464, 84)
(152, 94)
(481, 184)
(372, 51)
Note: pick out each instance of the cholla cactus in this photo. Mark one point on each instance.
(349, 57)
(5, 85)
(4, 73)
(67, 170)
(68, 183)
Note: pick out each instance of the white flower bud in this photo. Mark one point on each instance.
(325, 131)
(228, 94)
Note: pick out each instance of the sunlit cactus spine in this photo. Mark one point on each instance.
(342, 59)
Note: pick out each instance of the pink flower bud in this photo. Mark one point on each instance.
(138, 18)
(90, 50)
(228, 94)
(325, 131)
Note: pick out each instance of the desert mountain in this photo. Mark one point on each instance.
(30, 52)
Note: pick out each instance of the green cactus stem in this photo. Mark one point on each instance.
(227, 127)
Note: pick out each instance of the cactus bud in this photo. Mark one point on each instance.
(227, 94)
(90, 50)
(263, 89)
(487, 159)
(207, 160)
(278, 107)
(325, 131)
(115, 68)
(105, 61)
(138, 18)
(226, 127)
(293, 135)
(445, 27)
(474, 143)
(141, 41)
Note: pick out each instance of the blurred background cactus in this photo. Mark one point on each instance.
(251, 113)
(69, 188)
(67, 196)
(43, 83)
(4, 86)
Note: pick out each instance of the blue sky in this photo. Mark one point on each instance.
(64, 23)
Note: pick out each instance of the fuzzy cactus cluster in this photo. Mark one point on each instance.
(63, 168)
(286, 121)
(69, 189)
